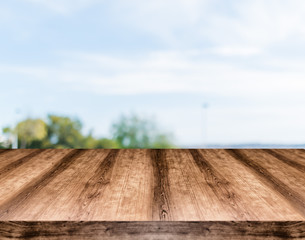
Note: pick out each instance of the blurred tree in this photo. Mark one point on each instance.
(91, 142)
(28, 131)
(31, 130)
(134, 132)
(163, 141)
(6, 143)
(64, 132)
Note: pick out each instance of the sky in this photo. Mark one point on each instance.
(161, 59)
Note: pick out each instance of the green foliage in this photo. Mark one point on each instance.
(6, 144)
(106, 143)
(7, 130)
(134, 132)
(91, 143)
(163, 141)
(65, 132)
(2, 146)
(30, 130)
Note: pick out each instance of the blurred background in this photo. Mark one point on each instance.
(152, 74)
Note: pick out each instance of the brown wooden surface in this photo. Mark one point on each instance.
(153, 230)
(219, 187)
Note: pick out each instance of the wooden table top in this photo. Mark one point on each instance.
(195, 185)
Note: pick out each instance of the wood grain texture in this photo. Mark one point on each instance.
(257, 192)
(15, 164)
(152, 230)
(276, 176)
(161, 194)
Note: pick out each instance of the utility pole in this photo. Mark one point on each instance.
(205, 107)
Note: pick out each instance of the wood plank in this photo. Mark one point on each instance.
(208, 193)
(297, 155)
(21, 198)
(187, 199)
(127, 195)
(15, 164)
(256, 199)
(19, 177)
(9, 156)
(52, 201)
(161, 204)
(292, 159)
(153, 230)
(136, 194)
(280, 177)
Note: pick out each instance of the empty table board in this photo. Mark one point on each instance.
(152, 194)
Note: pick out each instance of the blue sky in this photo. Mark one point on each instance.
(161, 59)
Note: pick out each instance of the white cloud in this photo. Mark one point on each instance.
(273, 112)
(161, 18)
(238, 27)
(237, 51)
(63, 7)
(257, 24)
(166, 72)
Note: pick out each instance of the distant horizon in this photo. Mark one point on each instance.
(246, 145)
